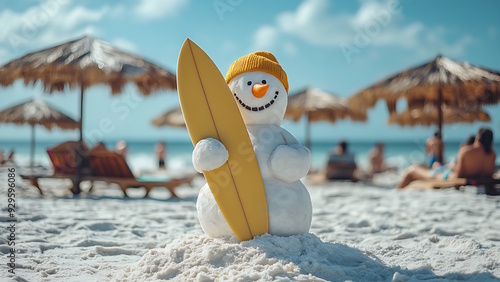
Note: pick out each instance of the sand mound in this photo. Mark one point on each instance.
(298, 258)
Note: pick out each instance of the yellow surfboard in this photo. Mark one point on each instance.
(210, 111)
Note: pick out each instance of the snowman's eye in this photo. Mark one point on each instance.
(249, 83)
(264, 81)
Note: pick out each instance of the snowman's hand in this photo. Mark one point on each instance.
(209, 154)
(290, 163)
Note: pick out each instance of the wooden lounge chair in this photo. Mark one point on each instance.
(489, 184)
(64, 163)
(104, 166)
(111, 167)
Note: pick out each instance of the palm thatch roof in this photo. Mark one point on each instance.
(428, 115)
(37, 112)
(453, 79)
(172, 117)
(85, 62)
(319, 105)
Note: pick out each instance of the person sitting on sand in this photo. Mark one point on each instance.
(377, 159)
(433, 147)
(473, 161)
(377, 164)
(341, 164)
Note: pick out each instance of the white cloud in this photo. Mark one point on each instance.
(154, 9)
(311, 23)
(79, 15)
(125, 44)
(45, 24)
(265, 37)
(375, 23)
(373, 10)
(432, 43)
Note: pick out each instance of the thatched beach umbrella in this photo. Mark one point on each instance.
(318, 105)
(37, 112)
(83, 63)
(440, 81)
(428, 115)
(172, 117)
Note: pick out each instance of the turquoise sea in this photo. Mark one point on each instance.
(141, 153)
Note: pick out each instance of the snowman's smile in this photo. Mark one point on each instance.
(256, 109)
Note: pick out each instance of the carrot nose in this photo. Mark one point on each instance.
(259, 90)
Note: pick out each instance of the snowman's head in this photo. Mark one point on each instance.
(260, 87)
(261, 97)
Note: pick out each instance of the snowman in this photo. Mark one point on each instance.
(260, 87)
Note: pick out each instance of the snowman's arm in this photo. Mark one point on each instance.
(209, 154)
(290, 162)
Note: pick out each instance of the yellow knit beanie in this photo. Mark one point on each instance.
(258, 61)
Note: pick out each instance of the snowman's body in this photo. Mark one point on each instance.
(282, 160)
(288, 203)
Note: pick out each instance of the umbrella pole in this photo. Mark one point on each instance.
(81, 114)
(76, 185)
(32, 147)
(440, 125)
(308, 132)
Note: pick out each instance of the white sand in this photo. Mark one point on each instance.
(359, 233)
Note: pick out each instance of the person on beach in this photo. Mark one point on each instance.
(433, 147)
(161, 154)
(377, 164)
(469, 141)
(438, 167)
(377, 159)
(341, 164)
(473, 161)
(2, 156)
(121, 148)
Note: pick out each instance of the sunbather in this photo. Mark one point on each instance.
(438, 167)
(433, 146)
(469, 141)
(474, 161)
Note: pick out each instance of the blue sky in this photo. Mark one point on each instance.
(309, 38)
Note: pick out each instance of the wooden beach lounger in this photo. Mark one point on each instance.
(64, 165)
(111, 167)
(106, 166)
(489, 184)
